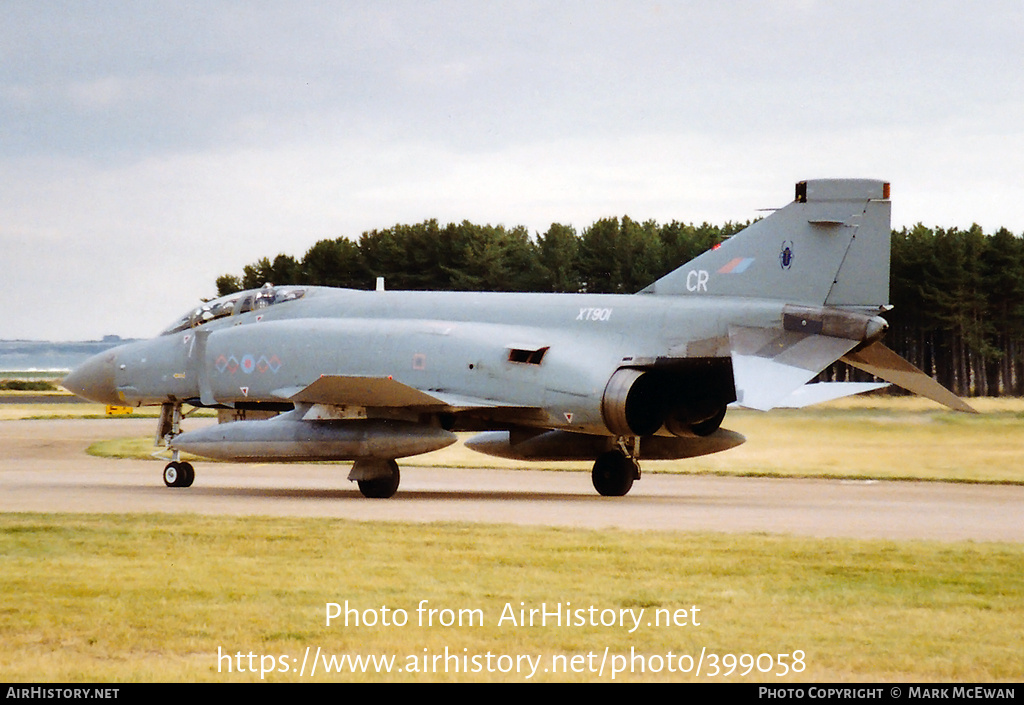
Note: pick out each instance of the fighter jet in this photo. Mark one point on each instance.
(373, 376)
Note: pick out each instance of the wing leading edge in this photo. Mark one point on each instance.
(385, 392)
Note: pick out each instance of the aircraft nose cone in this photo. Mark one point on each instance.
(94, 379)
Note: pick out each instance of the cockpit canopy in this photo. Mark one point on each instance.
(236, 304)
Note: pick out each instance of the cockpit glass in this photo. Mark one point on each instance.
(235, 304)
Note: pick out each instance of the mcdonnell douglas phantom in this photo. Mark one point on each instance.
(372, 376)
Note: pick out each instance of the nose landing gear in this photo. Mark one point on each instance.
(179, 474)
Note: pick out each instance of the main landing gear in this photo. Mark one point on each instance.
(615, 470)
(377, 478)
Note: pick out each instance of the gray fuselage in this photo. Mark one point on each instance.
(476, 345)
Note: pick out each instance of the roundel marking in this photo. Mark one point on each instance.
(248, 364)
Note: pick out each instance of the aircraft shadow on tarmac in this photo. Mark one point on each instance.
(354, 494)
(340, 494)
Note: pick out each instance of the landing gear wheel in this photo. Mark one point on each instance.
(613, 473)
(172, 474)
(381, 487)
(179, 474)
(188, 474)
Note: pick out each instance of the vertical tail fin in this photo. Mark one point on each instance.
(830, 246)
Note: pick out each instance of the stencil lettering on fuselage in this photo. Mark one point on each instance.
(594, 314)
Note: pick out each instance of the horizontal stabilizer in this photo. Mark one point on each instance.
(820, 392)
(880, 361)
(769, 365)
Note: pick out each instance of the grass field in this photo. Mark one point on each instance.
(157, 598)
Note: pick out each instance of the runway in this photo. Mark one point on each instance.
(44, 468)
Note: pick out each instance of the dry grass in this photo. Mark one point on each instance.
(153, 598)
(881, 441)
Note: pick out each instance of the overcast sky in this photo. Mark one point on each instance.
(148, 147)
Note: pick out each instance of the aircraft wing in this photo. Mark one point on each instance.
(384, 392)
(770, 365)
(344, 390)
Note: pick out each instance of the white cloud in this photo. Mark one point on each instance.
(148, 150)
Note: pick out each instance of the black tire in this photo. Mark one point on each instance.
(383, 487)
(188, 474)
(172, 474)
(179, 474)
(613, 474)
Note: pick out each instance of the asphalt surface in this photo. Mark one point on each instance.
(41, 399)
(44, 468)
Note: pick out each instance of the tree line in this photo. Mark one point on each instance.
(611, 256)
(957, 295)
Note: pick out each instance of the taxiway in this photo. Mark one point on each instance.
(44, 468)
